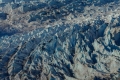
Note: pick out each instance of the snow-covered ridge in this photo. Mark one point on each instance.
(62, 52)
(22, 17)
(76, 42)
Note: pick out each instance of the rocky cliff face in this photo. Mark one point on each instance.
(79, 48)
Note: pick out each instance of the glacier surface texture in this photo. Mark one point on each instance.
(60, 40)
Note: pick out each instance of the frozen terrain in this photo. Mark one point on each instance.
(60, 40)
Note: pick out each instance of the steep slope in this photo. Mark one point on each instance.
(62, 52)
(75, 40)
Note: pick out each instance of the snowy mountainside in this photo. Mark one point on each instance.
(23, 17)
(75, 40)
(71, 52)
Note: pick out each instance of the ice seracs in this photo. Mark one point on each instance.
(70, 45)
(62, 50)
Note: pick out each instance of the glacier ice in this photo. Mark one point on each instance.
(61, 53)
(39, 41)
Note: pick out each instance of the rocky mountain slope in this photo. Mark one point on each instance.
(60, 42)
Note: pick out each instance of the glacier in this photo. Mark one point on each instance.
(69, 52)
(46, 41)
